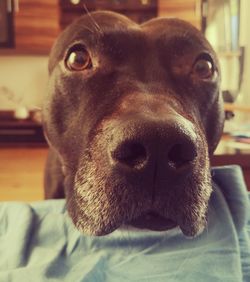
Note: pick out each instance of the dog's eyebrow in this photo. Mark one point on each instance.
(126, 40)
(178, 38)
(174, 32)
(181, 43)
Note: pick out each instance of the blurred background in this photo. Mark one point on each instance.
(28, 29)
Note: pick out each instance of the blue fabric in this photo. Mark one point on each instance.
(38, 242)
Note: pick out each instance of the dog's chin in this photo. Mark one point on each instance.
(103, 200)
(150, 221)
(153, 221)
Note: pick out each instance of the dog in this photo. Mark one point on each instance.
(132, 117)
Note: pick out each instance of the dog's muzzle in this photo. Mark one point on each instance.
(144, 171)
(164, 151)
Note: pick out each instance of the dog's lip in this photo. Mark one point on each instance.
(153, 221)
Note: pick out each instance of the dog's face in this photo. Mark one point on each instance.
(134, 113)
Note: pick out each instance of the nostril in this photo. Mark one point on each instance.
(132, 154)
(181, 155)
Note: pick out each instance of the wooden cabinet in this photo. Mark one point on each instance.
(36, 25)
(189, 10)
(137, 10)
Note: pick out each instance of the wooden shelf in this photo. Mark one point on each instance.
(36, 25)
(235, 107)
(132, 5)
(14, 131)
(136, 10)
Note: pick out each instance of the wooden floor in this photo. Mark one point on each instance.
(21, 174)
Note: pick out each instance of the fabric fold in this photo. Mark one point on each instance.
(38, 242)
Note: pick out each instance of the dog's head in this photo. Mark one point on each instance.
(134, 113)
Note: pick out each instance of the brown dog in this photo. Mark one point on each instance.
(133, 114)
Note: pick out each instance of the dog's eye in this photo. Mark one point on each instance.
(78, 59)
(203, 68)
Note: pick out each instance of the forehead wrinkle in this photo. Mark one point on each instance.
(88, 29)
(124, 37)
(180, 39)
(174, 31)
(112, 38)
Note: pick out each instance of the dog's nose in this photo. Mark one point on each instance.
(167, 145)
(181, 153)
(130, 153)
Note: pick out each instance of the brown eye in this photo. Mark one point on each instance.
(203, 68)
(78, 59)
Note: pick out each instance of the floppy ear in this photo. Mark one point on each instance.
(57, 50)
(53, 178)
(214, 123)
(64, 39)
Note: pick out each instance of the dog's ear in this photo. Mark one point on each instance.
(58, 49)
(215, 124)
(214, 115)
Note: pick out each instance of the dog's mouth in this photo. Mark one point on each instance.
(108, 193)
(153, 221)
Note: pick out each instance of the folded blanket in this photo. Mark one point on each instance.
(38, 242)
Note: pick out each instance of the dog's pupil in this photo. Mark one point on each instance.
(78, 60)
(204, 68)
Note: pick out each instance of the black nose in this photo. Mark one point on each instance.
(165, 145)
(181, 154)
(130, 153)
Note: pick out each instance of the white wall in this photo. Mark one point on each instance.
(230, 65)
(245, 41)
(218, 33)
(25, 77)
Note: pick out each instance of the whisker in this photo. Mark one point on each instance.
(96, 25)
(87, 28)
